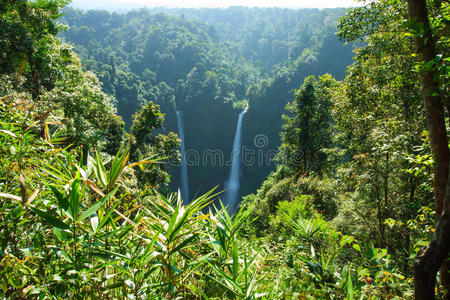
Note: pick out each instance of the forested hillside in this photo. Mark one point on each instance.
(339, 173)
(207, 63)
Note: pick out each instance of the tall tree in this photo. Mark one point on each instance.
(432, 257)
(26, 27)
(144, 144)
(307, 130)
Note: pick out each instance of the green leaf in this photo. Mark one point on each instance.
(91, 210)
(74, 197)
(357, 247)
(50, 218)
(173, 221)
(346, 239)
(100, 170)
(115, 254)
(184, 243)
(227, 281)
(235, 259)
(62, 235)
(145, 257)
(62, 201)
(350, 287)
(117, 167)
(108, 215)
(175, 269)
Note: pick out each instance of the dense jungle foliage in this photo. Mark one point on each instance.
(207, 63)
(358, 188)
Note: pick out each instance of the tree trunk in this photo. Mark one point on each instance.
(434, 110)
(432, 257)
(429, 260)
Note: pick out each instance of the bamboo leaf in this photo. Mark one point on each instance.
(184, 243)
(108, 215)
(145, 257)
(8, 133)
(350, 287)
(95, 207)
(117, 167)
(46, 132)
(94, 187)
(173, 221)
(228, 282)
(9, 196)
(74, 198)
(50, 218)
(62, 201)
(143, 162)
(235, 259)
(100, 170)
(118, 255)
(32, 197)
(62, 235)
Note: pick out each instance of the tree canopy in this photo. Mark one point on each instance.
(347, 195)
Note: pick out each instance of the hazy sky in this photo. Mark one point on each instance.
(212, 3)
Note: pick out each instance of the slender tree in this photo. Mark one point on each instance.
(432, 257)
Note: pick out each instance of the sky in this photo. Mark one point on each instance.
(128, 4)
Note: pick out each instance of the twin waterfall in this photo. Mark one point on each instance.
(184, 172)
(232, 185)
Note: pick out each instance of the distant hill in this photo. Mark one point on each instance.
(208, 63)
(126, 5)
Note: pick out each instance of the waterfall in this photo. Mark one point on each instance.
(184, 172)
(232, 185)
